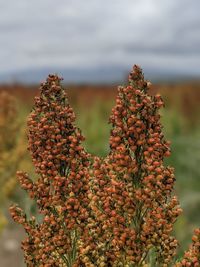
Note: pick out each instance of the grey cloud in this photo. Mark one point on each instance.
(99, 32)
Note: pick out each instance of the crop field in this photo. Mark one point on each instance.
(93, 104)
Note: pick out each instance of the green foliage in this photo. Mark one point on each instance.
(95, 127)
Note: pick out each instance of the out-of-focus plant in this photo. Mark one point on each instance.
(12, 148)
(112, 211)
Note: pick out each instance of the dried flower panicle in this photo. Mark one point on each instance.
(192, 256)
(113, 211)
(61, 191)
(132, 193)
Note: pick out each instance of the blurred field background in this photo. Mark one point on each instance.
(92, 105)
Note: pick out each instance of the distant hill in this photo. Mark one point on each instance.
(92, 75)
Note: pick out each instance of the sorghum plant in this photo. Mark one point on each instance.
(11, 148)
(62, 188)
(113, 211)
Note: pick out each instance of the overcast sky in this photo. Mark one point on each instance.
(160, 34)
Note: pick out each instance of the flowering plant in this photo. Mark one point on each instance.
(112, 211)
(12, 150)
